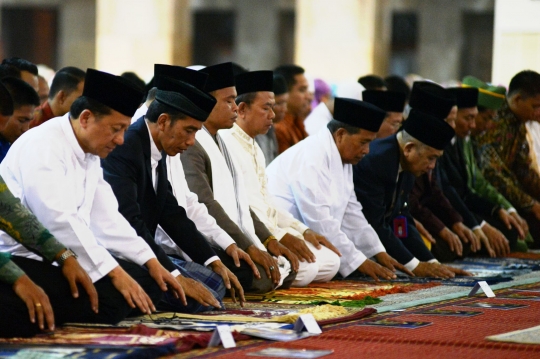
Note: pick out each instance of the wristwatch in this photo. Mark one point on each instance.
(67, 253)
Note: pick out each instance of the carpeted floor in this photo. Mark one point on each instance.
(446, 337)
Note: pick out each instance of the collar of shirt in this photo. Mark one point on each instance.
(453, 140)
(155, 155)
(246, 141)
(72, 140)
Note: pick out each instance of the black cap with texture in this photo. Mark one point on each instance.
(466, 97)
(112, 91)
(359, 114)
(254, 81)
(431, 98)
(190, 100)
(280, 85)
(192, 77)
(219, 76)
(391, 101)
(429, 129)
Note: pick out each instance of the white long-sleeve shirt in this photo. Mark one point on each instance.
(64, 188)
(310, 181)
(251, 161)
(195, 210)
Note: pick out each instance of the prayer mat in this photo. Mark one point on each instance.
(528, 255)
(135, 336)
(525, 336)
(79, 352)
(240, 318)
(447, 337)
(340, 292)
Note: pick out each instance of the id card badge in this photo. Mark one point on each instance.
(400, 227)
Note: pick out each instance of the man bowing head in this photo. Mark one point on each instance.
(137, 173)
(384, 179)
(313, 180)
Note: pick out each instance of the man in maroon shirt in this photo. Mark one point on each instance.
(67, 85)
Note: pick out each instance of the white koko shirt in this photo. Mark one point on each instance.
(64, 188)
(310, 181)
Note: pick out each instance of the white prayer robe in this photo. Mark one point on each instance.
(251, 161)
(64, 188)
(195, 210)
(310, 181)
(317, 119)
(231, 194)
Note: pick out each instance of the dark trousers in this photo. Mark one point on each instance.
(14, 318)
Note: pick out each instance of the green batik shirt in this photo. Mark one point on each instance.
(476, 180)
(505, 161)
(17, 221)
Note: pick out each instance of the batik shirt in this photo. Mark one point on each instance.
(505, 160)
(23, 226)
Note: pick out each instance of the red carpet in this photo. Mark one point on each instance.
(447, 337)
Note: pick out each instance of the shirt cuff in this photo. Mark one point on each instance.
(511, 210)
(175, 273)
(211, 260)
(412, 264)
(279, 233)
(434, 260)
(480, 225)
(299, 226)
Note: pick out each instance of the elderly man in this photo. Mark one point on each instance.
(313, 181)
(63, 185)
(318, 262)
(384, 179)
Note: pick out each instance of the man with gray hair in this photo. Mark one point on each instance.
(384, 179)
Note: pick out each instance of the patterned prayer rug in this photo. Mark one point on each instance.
(343, 292)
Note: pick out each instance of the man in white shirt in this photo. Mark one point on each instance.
(62, 184)
(313, 181)
(319, 259)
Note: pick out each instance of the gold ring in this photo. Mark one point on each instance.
(38, 304)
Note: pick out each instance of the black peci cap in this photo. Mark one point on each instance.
(429, 129)
(465, 96)
(359, 114)
(431, 98)
(112, 91)
(254, 81)
(390, 101)
(192, 77)
(219, 76)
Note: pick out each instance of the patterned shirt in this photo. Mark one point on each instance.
(17, 221)
(505, 160)
(252, 163)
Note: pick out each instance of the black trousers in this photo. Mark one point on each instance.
(14, 318)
